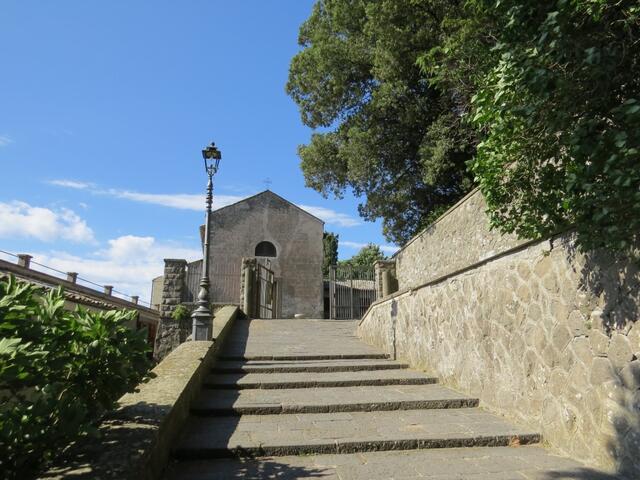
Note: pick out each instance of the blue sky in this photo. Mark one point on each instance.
(105, 107)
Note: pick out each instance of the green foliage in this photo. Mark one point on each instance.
(330, 249)
(541, 100)
(558, 100)
(181, 313)
(366, 257)
(59, 371)
(388, 132)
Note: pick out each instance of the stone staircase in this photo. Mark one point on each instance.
(306, 399)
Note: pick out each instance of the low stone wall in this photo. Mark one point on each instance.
(137, 437)
(459, 238)
(539, 332)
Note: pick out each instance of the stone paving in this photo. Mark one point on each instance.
(318, 379)
(290, 366)
(332, 399)
(298, 411)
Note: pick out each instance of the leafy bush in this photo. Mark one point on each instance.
(59, 371)
(558, 97)
(181, 313)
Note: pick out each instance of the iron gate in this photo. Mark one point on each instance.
(351, 291)
(267, 291)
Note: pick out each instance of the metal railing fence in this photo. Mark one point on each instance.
(351, 291)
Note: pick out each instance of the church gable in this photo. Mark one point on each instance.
(265, 199)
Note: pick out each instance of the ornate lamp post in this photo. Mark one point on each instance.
(202, 315)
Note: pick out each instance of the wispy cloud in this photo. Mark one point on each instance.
(19, 219)
(5, 140)
(331, 216)
(184, 201)
(388, 249)
(70, 184)
(187, 201)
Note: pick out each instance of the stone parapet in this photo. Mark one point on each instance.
(540, 332)
(386, 281)
(459, 238)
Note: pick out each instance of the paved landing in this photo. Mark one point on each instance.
(306, 399)
(480, 463)
(296, 338)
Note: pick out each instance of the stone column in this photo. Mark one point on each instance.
(386, 281)
(170, 332)
(24, 260)
(247, 287)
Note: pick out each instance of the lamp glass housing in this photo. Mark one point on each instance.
(211, 156)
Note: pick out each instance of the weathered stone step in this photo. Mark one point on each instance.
(306, 366)
(239, 381)
(325, 400)
(303, 434)
(346, 356)
(481, 463)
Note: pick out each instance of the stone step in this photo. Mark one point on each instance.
(481, 463)
(346, 356)
(306, 366)
(239, 381)
(325, 400)
(343, 433)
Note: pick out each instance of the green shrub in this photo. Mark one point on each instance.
(59, 371)
(181, 313)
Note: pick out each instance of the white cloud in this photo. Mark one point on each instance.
(184, 201)
(187, 201)
(70, 184)
(129, 263)
(332, 217)
(19, 219)
(5, 140)
(388, 249)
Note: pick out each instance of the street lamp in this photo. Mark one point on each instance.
(202, 314)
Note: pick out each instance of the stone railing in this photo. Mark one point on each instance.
(136, 438)
(540, 332)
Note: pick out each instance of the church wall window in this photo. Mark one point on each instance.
(265, 249)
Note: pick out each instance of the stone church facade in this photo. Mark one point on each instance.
(272, 229)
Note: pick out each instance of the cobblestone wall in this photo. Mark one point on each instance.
(541, 334)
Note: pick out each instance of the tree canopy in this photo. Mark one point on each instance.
(366, 257)
(387, 133)
(538, 103)
(330, 251)
(558, 105)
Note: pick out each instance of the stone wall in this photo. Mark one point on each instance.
(171, 333)
(540, 333)
(459, 238)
